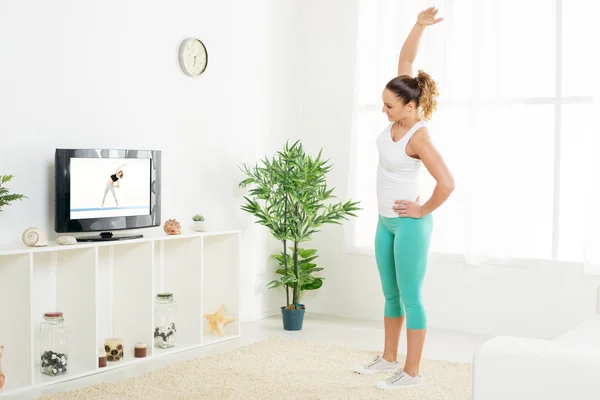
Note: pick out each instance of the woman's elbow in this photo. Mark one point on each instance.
(447, 186)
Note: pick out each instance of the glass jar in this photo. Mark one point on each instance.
(53, 344)
(165, 310)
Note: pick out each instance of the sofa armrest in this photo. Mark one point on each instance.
(517, 368)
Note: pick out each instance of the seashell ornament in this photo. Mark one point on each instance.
(172, 227)
(35, 237)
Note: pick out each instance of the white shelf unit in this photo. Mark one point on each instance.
(107, 289)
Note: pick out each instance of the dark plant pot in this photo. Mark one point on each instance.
(292, 319)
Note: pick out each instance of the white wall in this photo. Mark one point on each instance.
(105, 74)
(536, 300)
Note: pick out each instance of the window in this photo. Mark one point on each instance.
(515, 123)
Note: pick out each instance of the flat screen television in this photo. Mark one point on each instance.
(105, 190)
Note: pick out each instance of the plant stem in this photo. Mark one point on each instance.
(296, 263)
(287, 288)
(296, 273)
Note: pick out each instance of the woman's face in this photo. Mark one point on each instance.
(394, 108)
(120, 174)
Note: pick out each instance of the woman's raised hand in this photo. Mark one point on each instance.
(427, 17)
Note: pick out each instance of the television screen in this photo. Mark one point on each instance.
(109, 187)
(105, 190)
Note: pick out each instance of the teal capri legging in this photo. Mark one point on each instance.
(401, 251)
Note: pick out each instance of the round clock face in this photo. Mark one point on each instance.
(193, 57)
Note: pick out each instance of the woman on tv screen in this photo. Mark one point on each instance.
(112, 183)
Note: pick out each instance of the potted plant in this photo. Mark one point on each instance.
(306, 281)
(198, 223)
(5, 196)
(289, 196)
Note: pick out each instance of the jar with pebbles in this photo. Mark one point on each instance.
(165, 310)
(53, 344)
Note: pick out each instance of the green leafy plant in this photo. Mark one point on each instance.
(198, 217)
(5, 196)
(306, 267)
(289, 196)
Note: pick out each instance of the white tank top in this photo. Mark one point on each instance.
(397, 173)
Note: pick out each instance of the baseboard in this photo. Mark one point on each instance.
(267, 314)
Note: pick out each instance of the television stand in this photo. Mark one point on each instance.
(106, 237)
(107, 289)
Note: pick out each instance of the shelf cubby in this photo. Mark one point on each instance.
(15, 331)
(125, 286)
(65, 281)
(178, 270)
(220, 283)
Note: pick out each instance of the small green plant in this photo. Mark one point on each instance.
(197, 218)
(5, 196)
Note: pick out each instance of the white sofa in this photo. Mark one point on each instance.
(516, 368)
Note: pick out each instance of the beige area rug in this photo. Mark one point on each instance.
(279, 369)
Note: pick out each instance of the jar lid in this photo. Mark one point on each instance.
(140, 345)
(164, 295)
(53, 314)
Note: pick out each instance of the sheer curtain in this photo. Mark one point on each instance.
(515, 123)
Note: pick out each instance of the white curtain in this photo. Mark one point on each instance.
(515, 123)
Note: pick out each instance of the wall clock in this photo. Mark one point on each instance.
(193, 57)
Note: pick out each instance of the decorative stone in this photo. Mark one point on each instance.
(54, 363)
(164, 336)
(172, 227)
(66, 240)
(34, 237)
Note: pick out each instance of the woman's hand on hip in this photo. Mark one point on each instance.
(407, 208)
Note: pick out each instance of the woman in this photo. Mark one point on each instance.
(112, 183)
(405, 226)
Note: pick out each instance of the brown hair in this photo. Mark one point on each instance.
(422, 90)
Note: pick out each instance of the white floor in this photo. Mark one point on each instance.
(440, 345)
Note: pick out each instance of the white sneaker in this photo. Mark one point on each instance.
(377, 365)
(400, 380)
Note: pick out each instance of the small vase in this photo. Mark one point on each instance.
(2, 377)
(198, 226)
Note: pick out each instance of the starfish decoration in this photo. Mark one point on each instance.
(217, 321)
